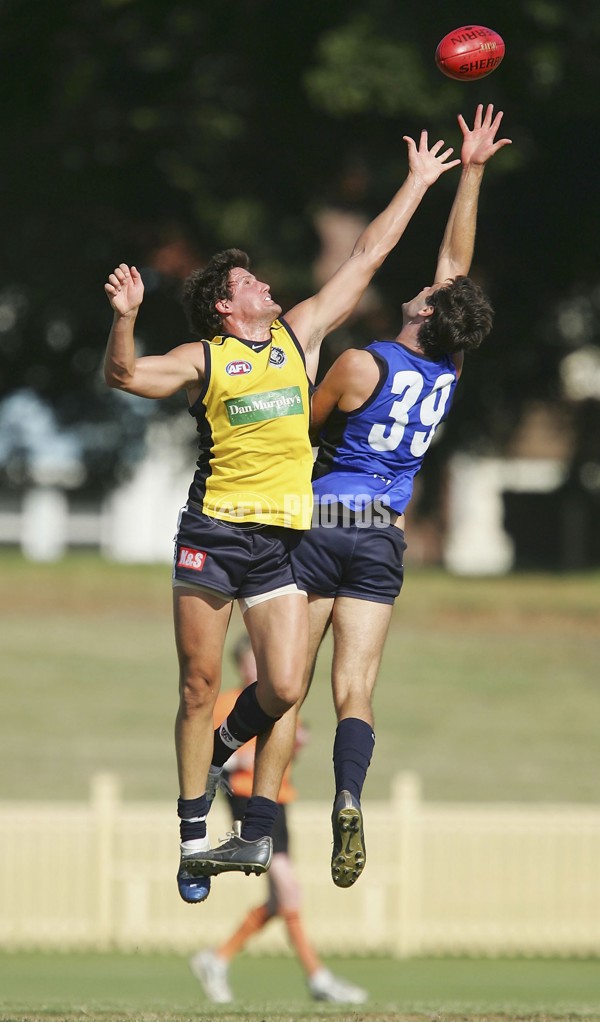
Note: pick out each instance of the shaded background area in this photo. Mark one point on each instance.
(157, 133)
(488, 688)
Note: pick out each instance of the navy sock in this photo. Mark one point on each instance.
(192, 815)
(245, 721)
(259, 818)
(352, 751)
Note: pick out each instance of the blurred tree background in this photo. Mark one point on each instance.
(159, 131)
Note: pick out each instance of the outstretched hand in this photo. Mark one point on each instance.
(124, 289)
(478, 142)
(428, 164)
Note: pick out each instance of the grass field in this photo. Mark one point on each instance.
(150, 987)
(488, 689)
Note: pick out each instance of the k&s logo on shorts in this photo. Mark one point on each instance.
(239, 367)
(189, 558)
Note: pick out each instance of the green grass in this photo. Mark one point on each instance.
(488, 687)
(157, 987)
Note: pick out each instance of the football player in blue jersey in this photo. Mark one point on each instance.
(375, 413)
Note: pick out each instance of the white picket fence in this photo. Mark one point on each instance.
(441, 878)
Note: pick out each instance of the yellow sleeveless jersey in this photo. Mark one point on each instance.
(252, 415)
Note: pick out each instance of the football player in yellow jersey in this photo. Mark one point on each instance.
(246, 509)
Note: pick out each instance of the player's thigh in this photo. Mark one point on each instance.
(359, 631)
(319, 619)
(278, 629)
(201, 622)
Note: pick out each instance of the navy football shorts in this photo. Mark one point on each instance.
(363, 562)
(234, 560)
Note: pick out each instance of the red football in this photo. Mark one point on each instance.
(469, 52)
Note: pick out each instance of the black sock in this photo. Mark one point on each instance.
(352, 751)
(259, 818)
(192, 815)
(245, 721)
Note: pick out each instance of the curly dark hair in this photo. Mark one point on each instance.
(203, 288)
(461, 320)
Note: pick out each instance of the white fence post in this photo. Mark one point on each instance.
(104, 800)
(406, 805)
(44, 523)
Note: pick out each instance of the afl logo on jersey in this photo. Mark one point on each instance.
(238, 368)
(277, 357)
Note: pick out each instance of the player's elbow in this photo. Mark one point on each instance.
(116, 377)
(366, 261)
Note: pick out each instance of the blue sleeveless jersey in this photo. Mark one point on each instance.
(375, 451)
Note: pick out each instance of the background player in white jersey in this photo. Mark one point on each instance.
(230, 546)
(377, 410)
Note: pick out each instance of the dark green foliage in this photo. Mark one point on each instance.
(129, 126)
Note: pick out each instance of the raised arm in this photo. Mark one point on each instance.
(456, 250)
(152, 376)
(312, 319)
(347, 385)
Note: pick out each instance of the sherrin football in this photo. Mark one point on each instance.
(469, 52)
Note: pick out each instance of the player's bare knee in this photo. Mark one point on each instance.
(278, 699)
(197, 694)
(279, 694)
